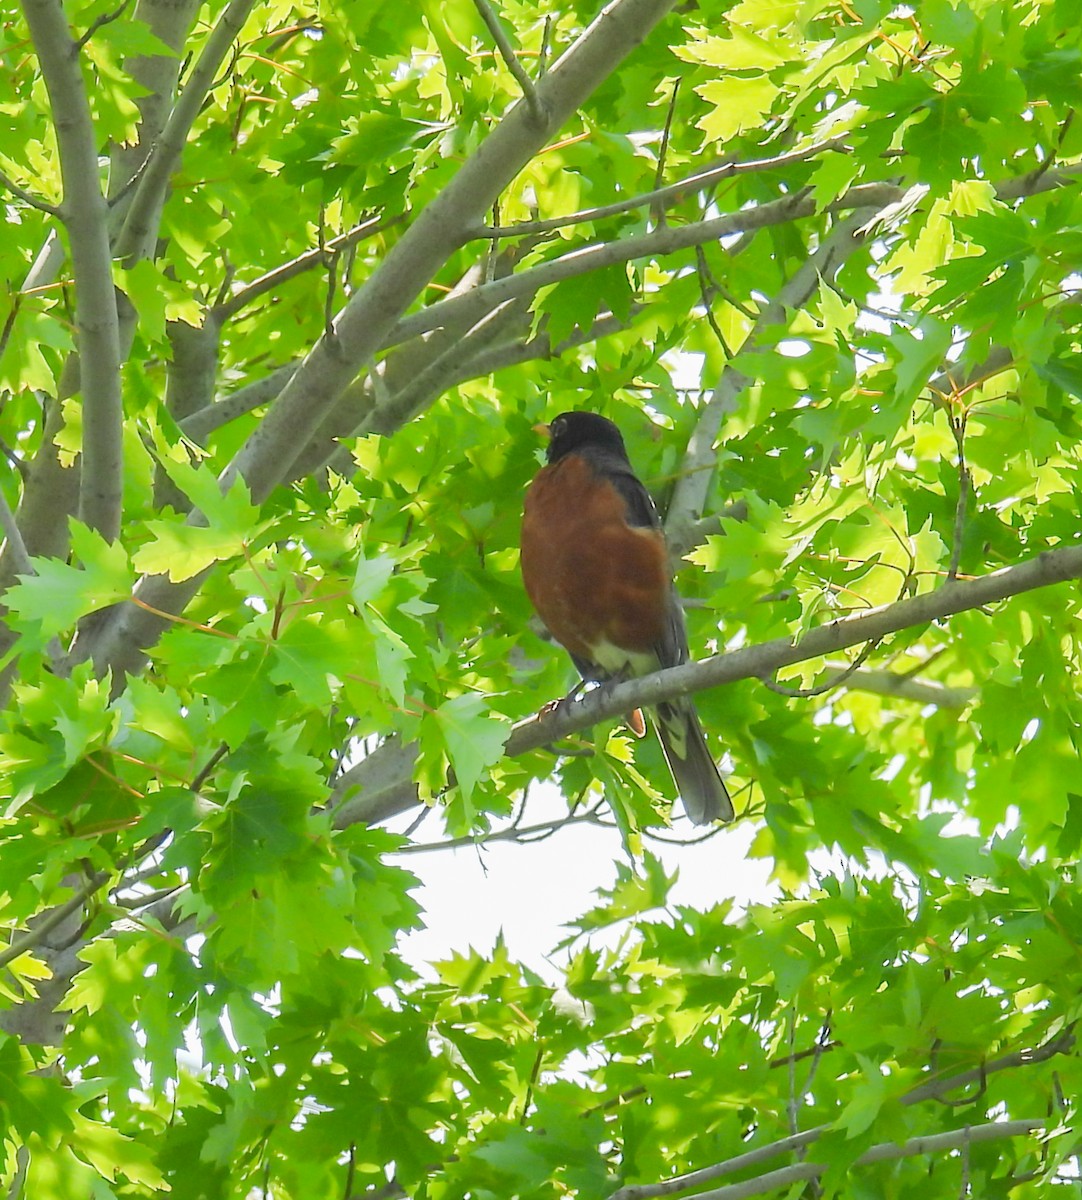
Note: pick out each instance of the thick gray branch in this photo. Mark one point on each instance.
(670, 239)
(85, 215)
(469, 359)
(756, 662)
(689, 498)
(432, 382)
(667, 240)
(137, 236)
(363, 325)
(170, 21)
(201, 424)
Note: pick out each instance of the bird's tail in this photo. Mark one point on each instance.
(693, 770)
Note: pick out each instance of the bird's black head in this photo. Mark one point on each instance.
(574, 431)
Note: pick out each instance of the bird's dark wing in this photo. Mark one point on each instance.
(641, 512)
(614, 467)
(672, 649)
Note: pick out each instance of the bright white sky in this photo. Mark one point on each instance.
(531, 891)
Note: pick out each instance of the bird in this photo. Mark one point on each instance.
(595, 566)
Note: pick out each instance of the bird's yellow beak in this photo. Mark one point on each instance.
(543, 429)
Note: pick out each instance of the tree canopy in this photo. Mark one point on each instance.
(287, 288)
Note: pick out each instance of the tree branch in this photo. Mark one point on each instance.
(581, 261)
(364, 323)
(55, 917)
(101, 21)
(662, 197)
(696, 471)
(316, 257)
(526, 834)
(136, 238)
(299, 410)
(904, 687)
(507, 53)
(753, 662)
(170, 21)
(935, 1089)
(202, 423)
(430, 383)
(799, 1141)
(358, 800)
(14, 547)
(27, 197)
(673, 238)
(85, 215)
(934, 1143)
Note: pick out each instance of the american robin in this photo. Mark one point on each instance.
(596, 568)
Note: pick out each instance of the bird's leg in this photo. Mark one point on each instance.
(635, 721)
(553, 705)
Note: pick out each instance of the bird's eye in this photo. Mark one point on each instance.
(557, 427)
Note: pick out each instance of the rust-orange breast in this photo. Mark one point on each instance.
(592, 578)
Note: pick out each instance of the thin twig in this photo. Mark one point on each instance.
(21, 564)
(705, 279)
(1052, 155)
(98, 22)
(20, 465)
(507, 53)
(16, 547)
(203, 774)
(9, 322)
(351, 1168)
(665, 195)
(303, 262)
(28, 197)
(155, 897)
(34, 937)
(903, 686)
(332, 279)
(663, 152)
(819, 689)
(792, 1104)
(522, 833)
(543, 53)
(531, 1084)
(958, 429)
(717, 288)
